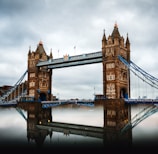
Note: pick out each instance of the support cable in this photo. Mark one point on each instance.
(2, 98)
(151, 80)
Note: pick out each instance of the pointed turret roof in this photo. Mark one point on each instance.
(115, 33)
(104, 36)
(29, 50)
(127, 40)
(51, 55)
(40, 48)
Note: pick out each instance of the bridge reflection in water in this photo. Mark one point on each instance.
(115, 113)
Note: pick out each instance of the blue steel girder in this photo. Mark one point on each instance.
(47, 104)
(143, 114)
(21, 112)
(2, 98)
(68, 61)
(143, 75)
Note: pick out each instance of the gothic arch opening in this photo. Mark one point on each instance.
(123, 93)
(42, 97)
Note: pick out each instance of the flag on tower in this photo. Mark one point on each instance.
(58, 53)
(75, 50)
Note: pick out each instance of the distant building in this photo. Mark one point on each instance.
(4, 89)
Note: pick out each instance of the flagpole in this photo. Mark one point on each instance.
(75, 50)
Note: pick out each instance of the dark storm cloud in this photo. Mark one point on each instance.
(11, 8)
(33, 19)
(16, 18)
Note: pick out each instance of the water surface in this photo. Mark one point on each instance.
(16, 131)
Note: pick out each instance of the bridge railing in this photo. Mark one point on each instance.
(139, 100)
(26, 98)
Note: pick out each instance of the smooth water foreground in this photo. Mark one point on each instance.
(16, 131)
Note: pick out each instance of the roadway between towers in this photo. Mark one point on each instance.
(68, 61)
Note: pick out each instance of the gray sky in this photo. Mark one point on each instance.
(63, 24)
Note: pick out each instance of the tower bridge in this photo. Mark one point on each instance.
(116, 83)
(117, 66)
(115, 59)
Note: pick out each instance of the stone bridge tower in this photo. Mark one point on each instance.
(39, 78)
(116, 76)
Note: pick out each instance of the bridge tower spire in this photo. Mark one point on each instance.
(116, 79)
(39, 78)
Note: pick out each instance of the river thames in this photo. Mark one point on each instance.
(18, 128)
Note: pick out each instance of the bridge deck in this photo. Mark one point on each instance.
(46, 104)
(68, 61)
(85, 102)
(140, 101)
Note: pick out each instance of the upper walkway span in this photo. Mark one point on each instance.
(68, 61)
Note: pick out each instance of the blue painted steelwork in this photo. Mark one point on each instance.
(47, 104)
(2, 98)
(151, 80)
(140, 101)
(68, 61)
(27, 99)
(8, 103)
(21, 113)
(143, 114)
(90, 104)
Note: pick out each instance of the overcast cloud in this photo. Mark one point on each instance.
(63, 24)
